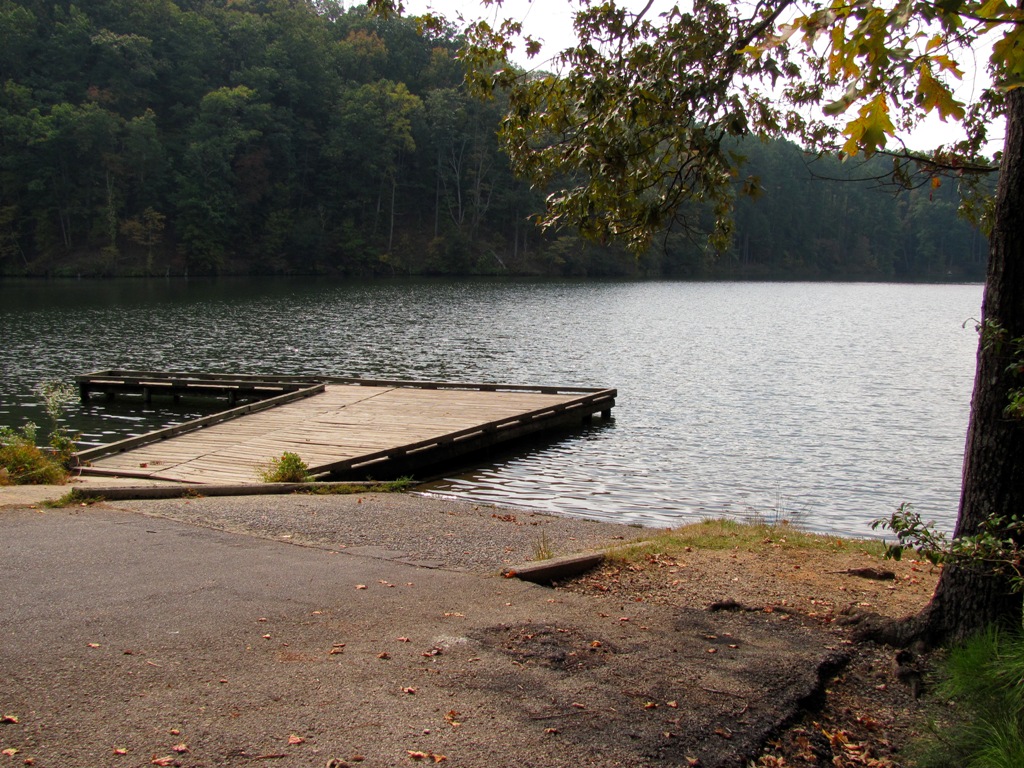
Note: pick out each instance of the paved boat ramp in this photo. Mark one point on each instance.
(343, 428)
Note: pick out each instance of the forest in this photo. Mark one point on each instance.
(205, 137)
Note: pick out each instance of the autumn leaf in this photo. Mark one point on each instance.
(120, 751)
(383, 655)
(416, 755)
(9, 719)
(169, 760)
(93, 645)
(10, 751)
(180, 748)
(294, 740)
(451, 717)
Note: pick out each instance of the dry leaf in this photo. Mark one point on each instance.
(293, 739)
(10, 751)
(94, 645)
(651, 705)
(404, 640)
(9, 719)
(384, 655)
(451, 717)
(120, 751)
(417, 755)
(551, 731)
(169, 760)
(360, 586)
(672, 704)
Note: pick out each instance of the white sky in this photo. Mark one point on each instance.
(551, 22)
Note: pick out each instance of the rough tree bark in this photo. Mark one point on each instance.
(969, 598)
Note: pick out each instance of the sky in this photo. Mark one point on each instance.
(551, 22)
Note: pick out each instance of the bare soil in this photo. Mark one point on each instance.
(875, 708)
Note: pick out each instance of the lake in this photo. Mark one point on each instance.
(828, 404)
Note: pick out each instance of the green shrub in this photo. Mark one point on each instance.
(984, 677)
(24, 463)
(287, 469)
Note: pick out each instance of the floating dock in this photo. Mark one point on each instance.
(342, 428)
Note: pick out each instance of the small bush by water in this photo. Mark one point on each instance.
(22, 462)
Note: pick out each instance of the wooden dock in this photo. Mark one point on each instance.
(344, 429)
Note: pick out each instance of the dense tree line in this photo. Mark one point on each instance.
(297, 136)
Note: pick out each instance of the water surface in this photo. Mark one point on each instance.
(827, 403)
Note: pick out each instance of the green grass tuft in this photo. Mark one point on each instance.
(984, 677)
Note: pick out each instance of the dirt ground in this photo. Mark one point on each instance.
(375, 630)
(874, 709)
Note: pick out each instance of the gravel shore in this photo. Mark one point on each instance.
(422, 530)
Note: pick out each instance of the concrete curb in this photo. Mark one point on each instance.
(132, 493)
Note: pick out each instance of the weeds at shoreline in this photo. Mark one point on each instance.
(400, 485)
(722, 533)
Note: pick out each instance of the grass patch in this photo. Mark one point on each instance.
(72, 498)
(985, 679)
(722, 533)
(400, 485)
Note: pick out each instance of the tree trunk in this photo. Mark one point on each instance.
(967, 598)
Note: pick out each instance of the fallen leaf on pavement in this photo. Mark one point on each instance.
(451, 717)
(169, 760)
(120, 751)
(9, 719)
(415, 755)
(10, 752)
(180, 748)
(293, 739)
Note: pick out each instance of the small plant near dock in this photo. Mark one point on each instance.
(22, 462)
(290, 468)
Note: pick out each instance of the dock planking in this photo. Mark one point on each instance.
(342, 428)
